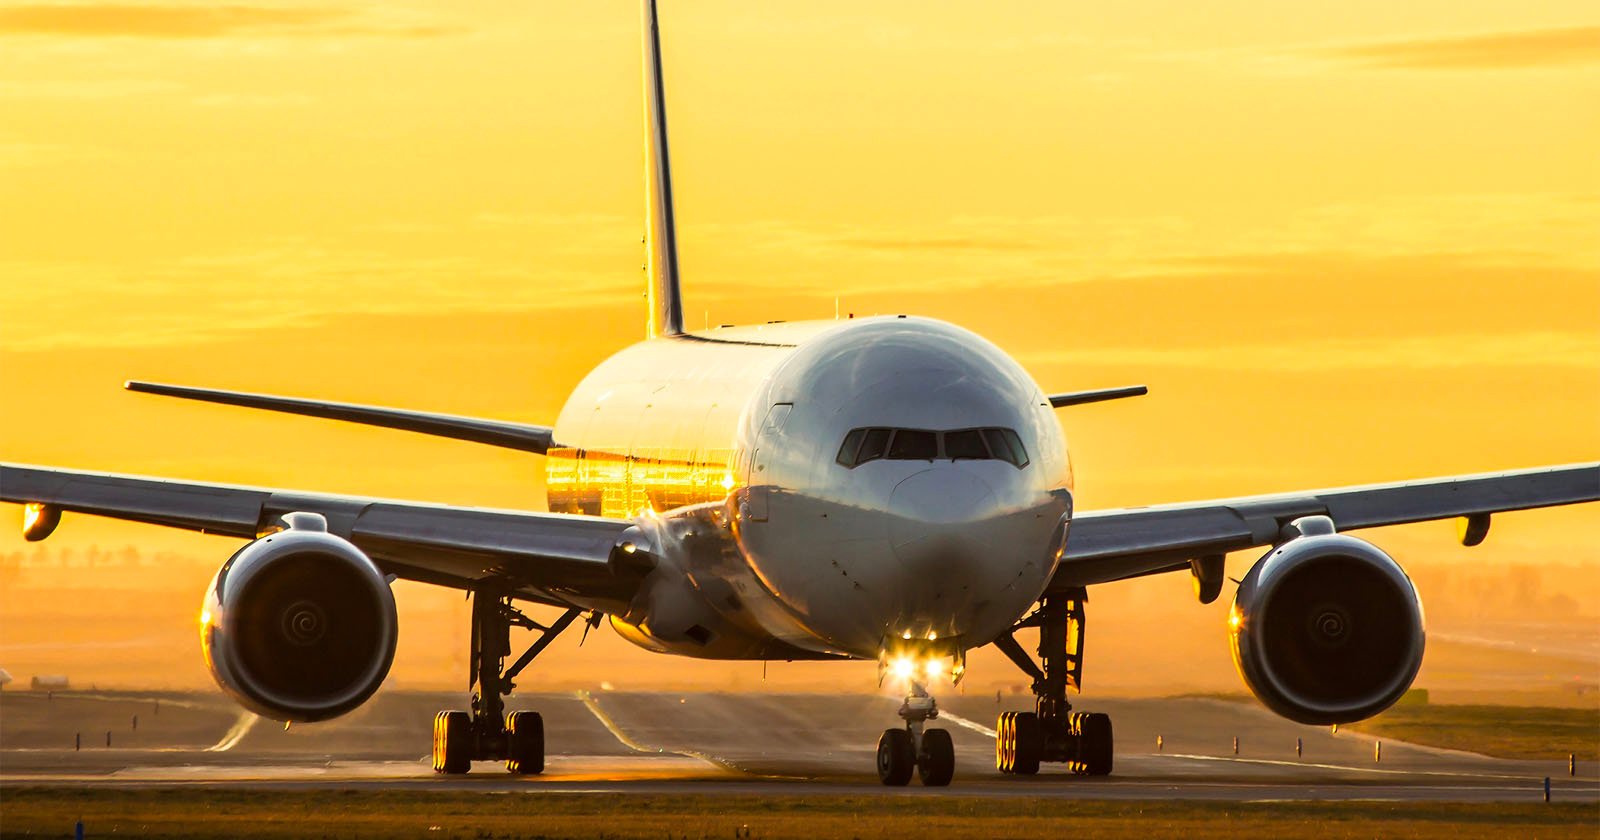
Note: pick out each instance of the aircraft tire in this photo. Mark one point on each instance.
(1005, 742)
(1028, 737)
(1093, 734)
(525, 743)
(937, 764)
(896, 757)
(452, 742)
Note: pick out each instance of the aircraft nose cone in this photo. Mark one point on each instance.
(934, 515)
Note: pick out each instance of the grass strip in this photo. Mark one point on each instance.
(1529, 732)
(193, 812)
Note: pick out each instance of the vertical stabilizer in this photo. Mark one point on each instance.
(661, 236)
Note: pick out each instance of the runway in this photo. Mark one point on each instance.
(755, 744)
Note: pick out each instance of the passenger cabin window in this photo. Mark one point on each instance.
(871, 444)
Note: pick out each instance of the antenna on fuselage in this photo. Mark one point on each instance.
(661, 235)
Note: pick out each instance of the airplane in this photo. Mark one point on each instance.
(891, 488)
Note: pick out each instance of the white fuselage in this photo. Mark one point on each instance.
(726, 446)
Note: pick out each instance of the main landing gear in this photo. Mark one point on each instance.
(929, 752)
(1053, 732)
(486, 733)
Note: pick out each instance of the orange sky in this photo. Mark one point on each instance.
(1343, 242)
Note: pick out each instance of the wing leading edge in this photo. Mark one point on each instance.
(547, 557)
(1113, 545)
(528, 438)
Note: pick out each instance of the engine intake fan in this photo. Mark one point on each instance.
(1326, 628)
(299, 625)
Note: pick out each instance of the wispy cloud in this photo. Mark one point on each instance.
(1490, 51)
(919, 244)
(1524, 349)
(198, 22)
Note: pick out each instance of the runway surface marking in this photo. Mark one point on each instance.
(1375, 770)
(968, 724)
(611, 726)
(241, 727)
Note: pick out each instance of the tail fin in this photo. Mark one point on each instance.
(661, 238)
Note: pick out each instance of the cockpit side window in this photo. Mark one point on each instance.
(851, 445)
(873, 445)
(999, 445)
(1019, 454)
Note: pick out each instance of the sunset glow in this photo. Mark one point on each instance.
(1342, 243)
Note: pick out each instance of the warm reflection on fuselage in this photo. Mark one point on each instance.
(606, 483)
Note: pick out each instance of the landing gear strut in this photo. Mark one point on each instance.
(487, 733)
(929, 752)
(1053, 732)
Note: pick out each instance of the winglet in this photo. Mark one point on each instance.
(661, 237)
(1081, 397)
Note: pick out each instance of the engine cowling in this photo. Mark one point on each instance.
(299, 625)
(1326, 628)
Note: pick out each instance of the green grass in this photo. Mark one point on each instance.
(191, 812)
(1530, 732)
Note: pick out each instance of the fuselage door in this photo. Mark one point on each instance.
(759, 477)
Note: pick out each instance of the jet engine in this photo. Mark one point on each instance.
(299, 625)
(1326, 628)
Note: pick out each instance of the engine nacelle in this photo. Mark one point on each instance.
(299, 625)
(1326, 628)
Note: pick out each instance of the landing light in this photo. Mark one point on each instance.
(902, 667)
(934, 668)
(905, 634)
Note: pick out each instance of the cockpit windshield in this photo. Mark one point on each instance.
(870, 444)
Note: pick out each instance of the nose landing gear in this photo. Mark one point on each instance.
(928, 751)
(1053, 732)
(487, 733)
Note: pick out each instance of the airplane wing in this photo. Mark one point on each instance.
(1110, 545)
(502, 433)
(1100, 395)
(547, 557)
